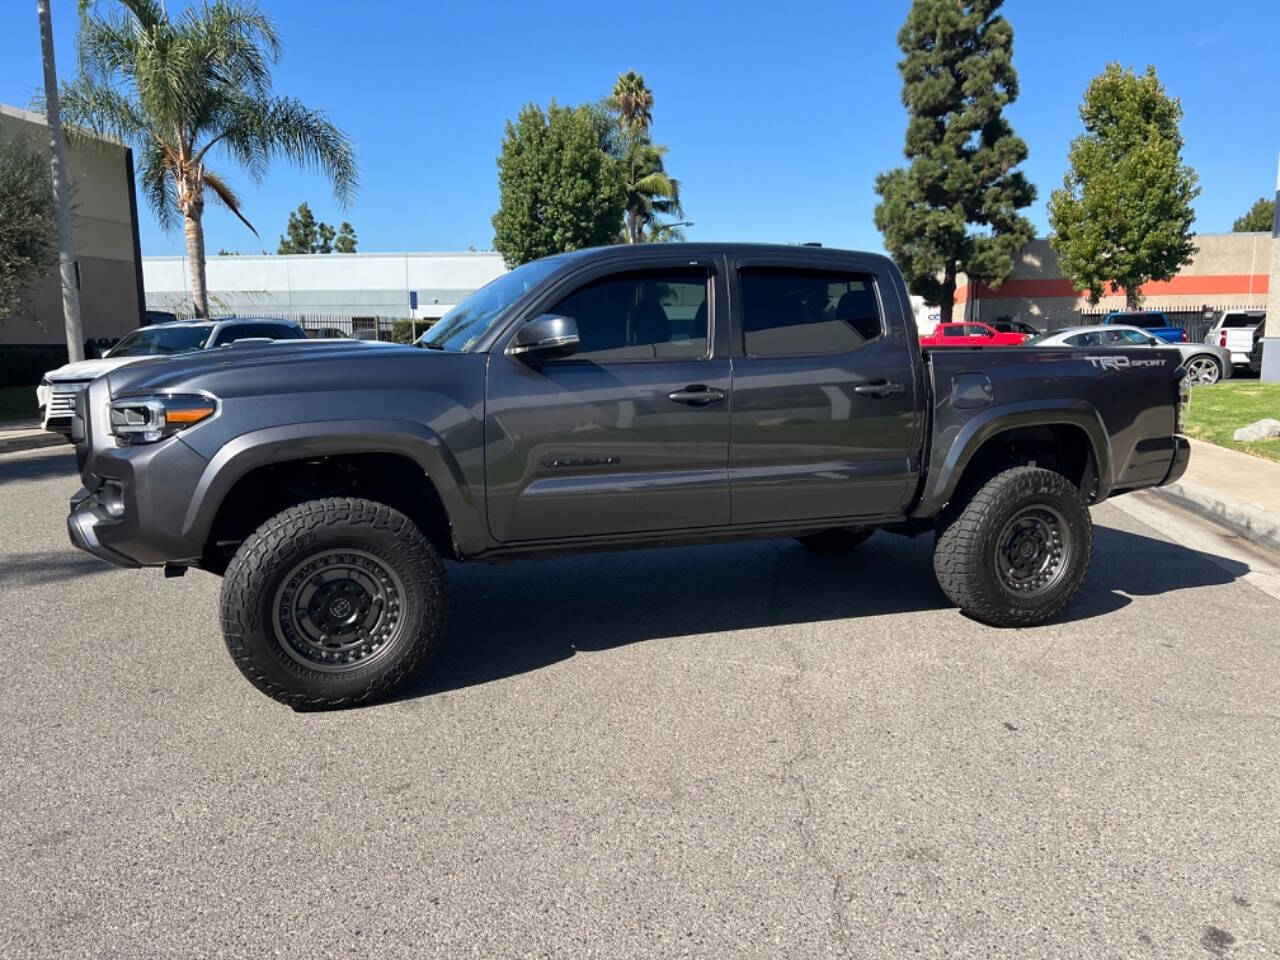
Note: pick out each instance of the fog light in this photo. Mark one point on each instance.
(112, 498)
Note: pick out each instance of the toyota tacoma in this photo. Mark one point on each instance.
(617, 398)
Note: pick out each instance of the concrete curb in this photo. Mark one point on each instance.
(1247, 519)
(30, 441)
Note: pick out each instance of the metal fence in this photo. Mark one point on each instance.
(1196, 321)
(361, 327)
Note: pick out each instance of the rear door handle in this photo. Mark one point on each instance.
(878, 388)
(696, 395)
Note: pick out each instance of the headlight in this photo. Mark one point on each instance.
(148, 419)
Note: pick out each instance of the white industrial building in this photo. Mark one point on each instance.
(324, 289)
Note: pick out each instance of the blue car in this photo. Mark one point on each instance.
(1152, 321)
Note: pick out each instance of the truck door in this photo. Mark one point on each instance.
(826, 420)
(629, 434)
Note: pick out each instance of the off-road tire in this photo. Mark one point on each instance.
(835, 540)
(964, 555)
(266, 558)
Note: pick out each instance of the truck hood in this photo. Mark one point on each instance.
(88, 369)
(257, 367)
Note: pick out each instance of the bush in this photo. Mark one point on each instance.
(402, 331)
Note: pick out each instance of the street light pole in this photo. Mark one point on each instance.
(61, 191)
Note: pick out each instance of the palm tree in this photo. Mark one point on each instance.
(633, 101)
(651, 191)
(177, 89)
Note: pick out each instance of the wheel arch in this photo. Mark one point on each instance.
(410, 453)
(1068, 434)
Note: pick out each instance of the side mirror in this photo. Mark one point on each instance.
(545, 337)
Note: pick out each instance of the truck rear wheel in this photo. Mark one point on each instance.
(1016, 553)
(333, 603)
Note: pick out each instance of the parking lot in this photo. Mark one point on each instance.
(744, 750)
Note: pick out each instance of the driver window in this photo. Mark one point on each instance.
(649, 315)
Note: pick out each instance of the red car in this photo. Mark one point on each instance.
(970, 335)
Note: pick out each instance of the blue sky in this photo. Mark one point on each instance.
(778, 115)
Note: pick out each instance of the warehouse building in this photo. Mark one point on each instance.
(1229, 270)
(108, 260)
(333, 290)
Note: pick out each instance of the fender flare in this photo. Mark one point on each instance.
(944, 472)
(319, 438)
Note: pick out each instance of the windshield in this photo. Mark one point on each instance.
(461, 327)
(159, 341)
(1039, 338)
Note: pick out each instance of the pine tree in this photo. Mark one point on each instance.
(1124, 215)
(301, 232)
(1260, 218)
(957, 78)
(346, 242)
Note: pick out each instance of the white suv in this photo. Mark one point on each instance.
(1234, 330)
(56, 395)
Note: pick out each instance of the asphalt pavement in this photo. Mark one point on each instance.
(730, 751)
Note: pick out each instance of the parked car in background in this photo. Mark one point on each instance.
(1235, 331)
(970, 335)
(1255, 354)
(1008, 325)
(56, 395)
(1154, 322)
(1205, 362)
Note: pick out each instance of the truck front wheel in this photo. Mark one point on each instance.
(333, 603)
(1015, 554)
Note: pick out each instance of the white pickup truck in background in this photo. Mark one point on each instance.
(1234, 330)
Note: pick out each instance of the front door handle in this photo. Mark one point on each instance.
(696, 395)
(878, 388)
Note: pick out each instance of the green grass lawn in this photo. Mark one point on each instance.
(1218, 411)
(17, 403)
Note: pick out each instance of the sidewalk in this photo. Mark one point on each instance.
(26, 435)
(1237, 490)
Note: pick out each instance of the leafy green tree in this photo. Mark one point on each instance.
(1261, 217)
(1124, 215)
(346, 242)
(186, 89)
(28, 242)
(957, 78)
(559, 190)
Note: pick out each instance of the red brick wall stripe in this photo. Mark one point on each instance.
(1232, 285)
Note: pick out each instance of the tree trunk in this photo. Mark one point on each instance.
(1133, 297)
(191, 203)
(194, 230)
(947, 299)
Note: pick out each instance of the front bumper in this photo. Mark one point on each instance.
(151, 487)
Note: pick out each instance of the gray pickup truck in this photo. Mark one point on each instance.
(613, 398)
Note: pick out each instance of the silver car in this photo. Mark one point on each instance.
(1205, 362)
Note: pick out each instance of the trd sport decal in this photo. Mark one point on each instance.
(1119, 363)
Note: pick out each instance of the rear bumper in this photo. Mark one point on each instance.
(1181, 457)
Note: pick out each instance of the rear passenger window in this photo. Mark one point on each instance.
(789, 313)
(955, 330)
(658, 315)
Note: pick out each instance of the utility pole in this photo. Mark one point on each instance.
(61, 191)
(1271, 327)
